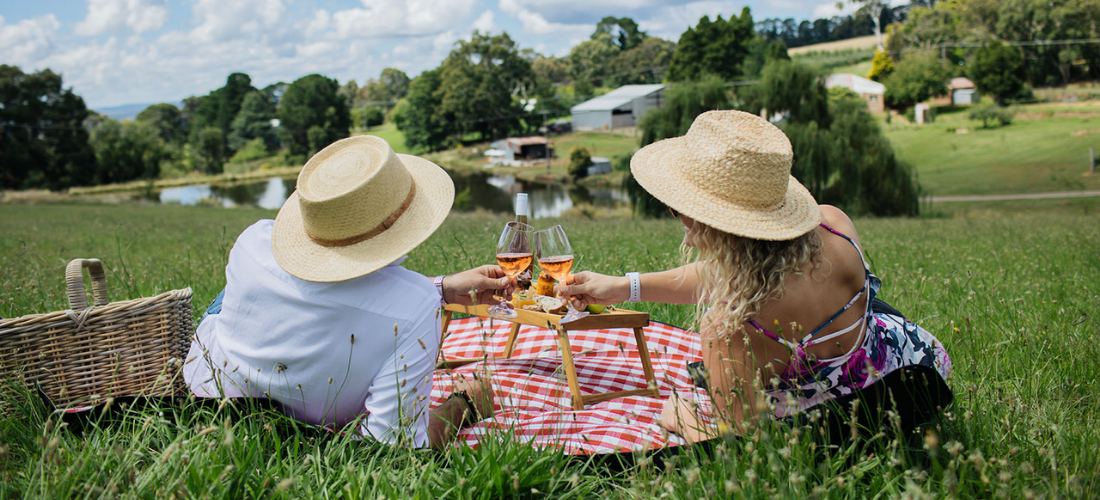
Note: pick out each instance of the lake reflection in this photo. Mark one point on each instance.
(480, 191)
(268, 194)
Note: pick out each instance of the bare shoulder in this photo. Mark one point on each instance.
(836, 218)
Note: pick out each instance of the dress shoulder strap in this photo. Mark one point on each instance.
(866, 267)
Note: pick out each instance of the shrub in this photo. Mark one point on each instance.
(252, 150)
(579, 161)
(992, 112)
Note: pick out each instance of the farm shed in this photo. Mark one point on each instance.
(517, 150)
(622, 107)
(873, 93)
(960, 92)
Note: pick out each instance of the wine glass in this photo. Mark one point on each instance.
(555, 257)
(514, 256)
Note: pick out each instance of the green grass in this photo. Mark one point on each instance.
(1014, 296)
(1046, 148)
(389, 132)
(861, 69)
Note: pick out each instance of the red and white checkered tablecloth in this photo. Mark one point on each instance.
(532, 395)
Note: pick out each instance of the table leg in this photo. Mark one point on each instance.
(446, 322)
(570, 368)
(647, 365)
(511, 346)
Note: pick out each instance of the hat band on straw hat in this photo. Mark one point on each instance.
(375, 231)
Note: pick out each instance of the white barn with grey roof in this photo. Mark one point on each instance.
(622, 107)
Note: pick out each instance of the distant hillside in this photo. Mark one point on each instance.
(126, 111)
(863, 42)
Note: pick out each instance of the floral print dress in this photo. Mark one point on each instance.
(891, 342)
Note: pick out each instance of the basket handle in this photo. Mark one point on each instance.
(74, 281)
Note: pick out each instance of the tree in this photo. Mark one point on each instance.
(167, 120)
(715, 48)
(230, 97)
(996, 71)
(624, 32)
(549, 74)
(482, 84)
(43, 142)
(218, 108)
(211, 150)
(864, 174)
(683, 102)
(127, 150)
(881, 66)
(579, 161)
(641, 64)
(874, 8)
(311, 101)
(420, 116)
(916, 78)
(793, 90)
(589, 62)
(350, 92)
(253, 121)
(391, 85)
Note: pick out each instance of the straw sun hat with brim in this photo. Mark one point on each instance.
(358, 207)
(731, 171)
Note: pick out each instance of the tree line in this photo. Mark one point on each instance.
(489, 87)
(1005, 47)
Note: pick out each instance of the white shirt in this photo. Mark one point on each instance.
(328, 352)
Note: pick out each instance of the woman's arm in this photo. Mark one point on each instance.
(731, 375)
(673, 286)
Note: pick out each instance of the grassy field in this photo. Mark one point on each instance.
(1014, 296)
(1046, 148)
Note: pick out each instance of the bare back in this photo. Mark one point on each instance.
(814, 296)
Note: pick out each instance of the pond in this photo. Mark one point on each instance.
(495, 193)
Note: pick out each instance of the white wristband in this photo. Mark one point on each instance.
(635, 287)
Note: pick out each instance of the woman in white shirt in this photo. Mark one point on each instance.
(319, 315)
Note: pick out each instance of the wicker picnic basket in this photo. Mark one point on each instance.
(82, 355)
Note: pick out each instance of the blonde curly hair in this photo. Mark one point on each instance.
(738, 274)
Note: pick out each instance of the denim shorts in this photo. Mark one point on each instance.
(215, 306)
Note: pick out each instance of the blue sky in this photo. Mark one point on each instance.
(115, 52)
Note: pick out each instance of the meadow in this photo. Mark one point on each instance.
(1013, 294)
(1045, 148)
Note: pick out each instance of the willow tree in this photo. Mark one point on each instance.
(840, 153)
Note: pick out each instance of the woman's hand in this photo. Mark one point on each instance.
(475, 286)
(480, 391)
(587, 287)
(679, 415)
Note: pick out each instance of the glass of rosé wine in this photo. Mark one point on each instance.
(514, 256)
(555, 257)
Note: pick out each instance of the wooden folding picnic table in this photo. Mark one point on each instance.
(616, 318)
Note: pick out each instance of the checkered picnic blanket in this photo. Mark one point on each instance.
(533, 402)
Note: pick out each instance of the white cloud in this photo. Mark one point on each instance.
(379, 18)
(670, 21)
(828, 10)
(535, 23)
(320, 22)
(484, 23)
(108, 16)
(29, 41)
(221, 20)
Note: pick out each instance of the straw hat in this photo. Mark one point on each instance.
(732, 171)
(358, 207)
